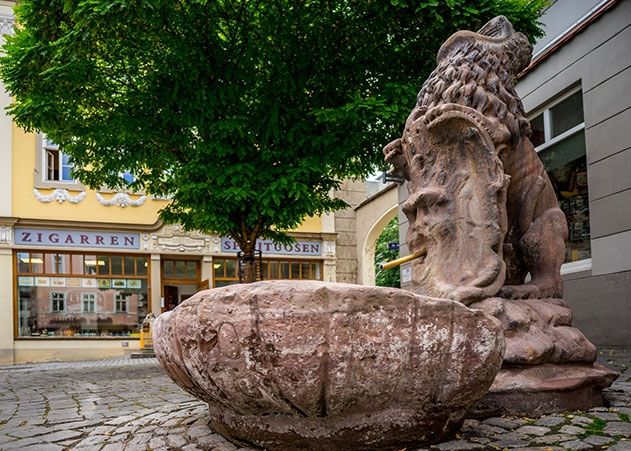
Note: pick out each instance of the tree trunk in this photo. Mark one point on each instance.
(249, 265)
(246, 239)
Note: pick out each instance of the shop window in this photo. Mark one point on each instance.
(60, 295)
(57, 301)
(57, 263)
(57, 164)
(37, 262)
(117, 265)
(129, 265)
(103, 265)
(559, 138)
(284, 271)
(77, 264)
(225, 270)
(90, 264)
(23, 262)
(88, 302)
(141, 266)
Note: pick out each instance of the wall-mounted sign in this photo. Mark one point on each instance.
(74, 238)
(269, 247)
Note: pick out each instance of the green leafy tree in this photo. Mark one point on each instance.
(245, 113)
(387, 277)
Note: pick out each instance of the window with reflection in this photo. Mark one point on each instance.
(79, 295)
(225, 270)
(180, 270)
(558, 133)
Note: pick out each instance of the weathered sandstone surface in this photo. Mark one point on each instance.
(548, 364)
(314, 365)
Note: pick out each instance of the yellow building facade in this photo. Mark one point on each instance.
(80, 269)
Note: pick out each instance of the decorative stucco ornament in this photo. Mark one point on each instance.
(6, 235)
(60, 195)
(120, 199)
(483, 215)
(173, 238)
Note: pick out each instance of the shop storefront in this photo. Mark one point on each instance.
(84, 293)
(61, 290)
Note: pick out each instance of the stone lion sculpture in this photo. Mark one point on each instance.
(482, 211)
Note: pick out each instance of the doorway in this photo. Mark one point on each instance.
(181, 278)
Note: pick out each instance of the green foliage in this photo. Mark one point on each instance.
(388, 277)
(624, 417)
(595, 427)
(246, 114)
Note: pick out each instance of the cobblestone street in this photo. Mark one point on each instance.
(123, 404)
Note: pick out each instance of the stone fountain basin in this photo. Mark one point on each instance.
(315, 365)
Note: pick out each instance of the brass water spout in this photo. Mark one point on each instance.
(400, 261)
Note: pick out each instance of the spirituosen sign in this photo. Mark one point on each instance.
(76, 238)
(269, 247)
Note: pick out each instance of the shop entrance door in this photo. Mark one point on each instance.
(180, 280)
(170, 297)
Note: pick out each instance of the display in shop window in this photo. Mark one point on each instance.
(558, 132)
(95, 306)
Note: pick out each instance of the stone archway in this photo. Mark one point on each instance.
(372, 216)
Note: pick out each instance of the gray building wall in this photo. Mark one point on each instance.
(599, 60)
(560, 16)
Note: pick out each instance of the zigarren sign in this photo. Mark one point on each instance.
(76, 238)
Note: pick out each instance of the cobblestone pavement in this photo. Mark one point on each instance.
(123, 404)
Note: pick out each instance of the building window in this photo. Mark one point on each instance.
(558, 134)
(121, 303)
(180, 270)
(60, 295)
(88, 302)
(57, 301)
(128, 177)
(58, 166)
(225, 270)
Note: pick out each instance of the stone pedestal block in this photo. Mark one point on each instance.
(548, 364)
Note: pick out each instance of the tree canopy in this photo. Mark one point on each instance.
(246, 113)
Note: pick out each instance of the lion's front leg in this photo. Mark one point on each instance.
(543, 250)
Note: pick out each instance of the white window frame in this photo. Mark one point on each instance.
(579, 265)
(47, 147)
(121, 297)
(64, 298)
(85, 298)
